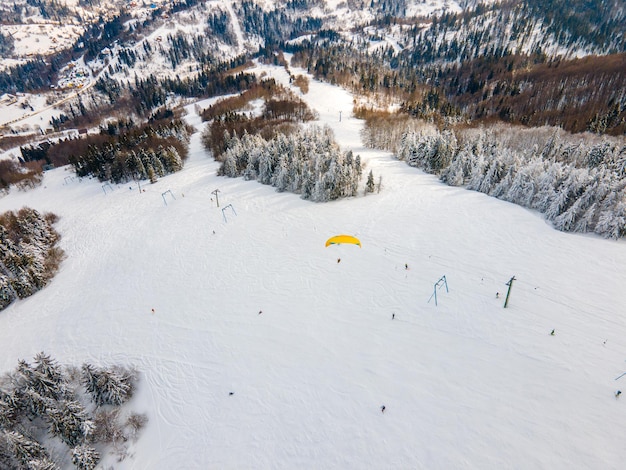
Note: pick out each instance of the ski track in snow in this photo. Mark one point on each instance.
(466, 384)
(234, 20)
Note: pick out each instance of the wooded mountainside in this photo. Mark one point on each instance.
(529, 63)
(532, 63)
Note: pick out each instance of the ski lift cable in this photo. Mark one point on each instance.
(529, 288)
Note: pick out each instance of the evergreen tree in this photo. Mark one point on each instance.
(173, 161)
(547, 184)
(369, 186)
(612, 222)
(108, 386)
(32, 403)
(8, 410)
(281, 176)
(42, 464)
(49, 378)
(85, 457)
(69, 420)
(7, 293)
(152, 174)
(24, 450)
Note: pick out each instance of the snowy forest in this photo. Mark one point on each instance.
(307, 162)
(29, 255)
(531, 63)
(54, 416)
(149, 152)
(527, 63)
(578, 183)
(274, 149)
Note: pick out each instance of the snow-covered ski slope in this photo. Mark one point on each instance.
(257, 306)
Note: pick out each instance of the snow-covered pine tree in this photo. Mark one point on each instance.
(21, 282)
(422, 150)
(567, 221)
(157, 163)
(90, 377)
(42, 464)
(23, 449)
(33, 404)
(32, 226)
(281, 176)
(85, 457)
(446, 149)
(117, 385)
(500, 189)
(550, 148)
(351, 181)
(408, 143)
(227, 139)
(24, 375)
(547, 183)
(269, 159)
(152, 176)
(255, 154)
(69, 420)
(568, 192)
(113, 386)
(495, 172)
(229, 165)
(526, 183)
(7, 293)
(612, 216)
(477, 175)
(598, 153)
(174, 162)
(588, 220)
(369, 186)
(294, 163)
(135, 166)
(8, 409)
(460, 169)
(35, 258)
(242, 158)
(49, 380)
(7, 460)
(334, 179)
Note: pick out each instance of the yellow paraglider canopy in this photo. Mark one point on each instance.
(337, 239)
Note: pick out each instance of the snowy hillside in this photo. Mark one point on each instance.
(61, 63)
(264, 351)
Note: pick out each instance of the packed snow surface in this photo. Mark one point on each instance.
(248, 301)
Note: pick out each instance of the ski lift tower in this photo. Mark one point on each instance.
(216, 198)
